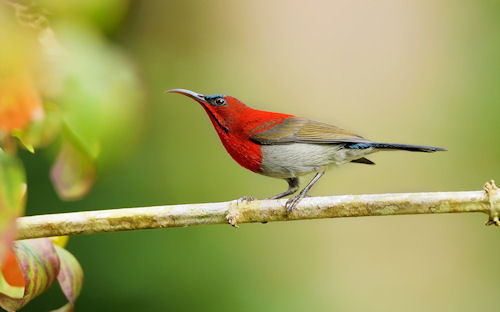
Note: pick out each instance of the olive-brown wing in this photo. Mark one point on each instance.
(302, 130)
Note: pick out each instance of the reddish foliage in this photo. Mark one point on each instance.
(11, 270)
(19, 103)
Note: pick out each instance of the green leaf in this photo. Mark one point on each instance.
(12, 197)
(102, 96)
(74, 172)
(42, 131)
(70, 277)
(39, 264)
(106, 15)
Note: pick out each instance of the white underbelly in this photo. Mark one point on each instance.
(296, 159)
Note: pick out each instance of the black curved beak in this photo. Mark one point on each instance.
(195, 96)
(200, 98)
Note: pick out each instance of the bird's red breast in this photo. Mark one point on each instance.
(236, 125)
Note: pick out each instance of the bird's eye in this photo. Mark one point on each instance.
(220, 101)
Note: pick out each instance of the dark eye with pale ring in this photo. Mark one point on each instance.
(220, 101)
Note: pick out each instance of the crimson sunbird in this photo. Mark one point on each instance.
(286, 146)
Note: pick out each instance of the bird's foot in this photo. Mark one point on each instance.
(234, 213)
(292, 202)
(246, 199)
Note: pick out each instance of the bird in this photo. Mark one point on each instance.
(286, 146)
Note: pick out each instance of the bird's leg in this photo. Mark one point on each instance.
(292, 202)
(233, 214)
(293, 186)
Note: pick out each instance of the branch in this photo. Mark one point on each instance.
(242, 211)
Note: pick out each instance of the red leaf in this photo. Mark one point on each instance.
(19, 103)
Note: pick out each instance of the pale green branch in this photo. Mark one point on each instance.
(240, 211)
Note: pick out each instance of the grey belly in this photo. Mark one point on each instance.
(296, 159)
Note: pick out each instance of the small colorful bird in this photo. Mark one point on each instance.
(285, 146)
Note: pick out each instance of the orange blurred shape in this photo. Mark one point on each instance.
(11, 270)
(19, 103)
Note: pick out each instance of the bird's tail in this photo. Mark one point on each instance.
(392, 146)
(407, 147)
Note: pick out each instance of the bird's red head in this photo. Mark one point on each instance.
(235, 124)
(223, 110)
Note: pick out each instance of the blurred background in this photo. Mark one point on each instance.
(424, 72)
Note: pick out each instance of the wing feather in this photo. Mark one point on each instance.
(301, 130)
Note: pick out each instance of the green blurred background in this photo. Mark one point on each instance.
(417, 72)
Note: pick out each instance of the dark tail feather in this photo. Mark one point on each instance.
(406, 147)
(363, 161)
